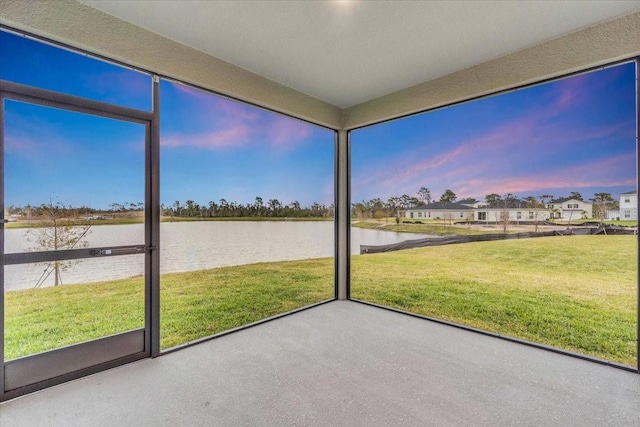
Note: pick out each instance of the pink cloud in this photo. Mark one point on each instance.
(223, 138)
(510, 135)
(439, 160)
(574, 134)
(21, 145)
(572, 91)
(458, 169)
(282, 132)
(237, 110)
(279, 134)
(448, 164)
(524, 143)
(35, 145)
(599, 173)
(217, 105)
(233, 124)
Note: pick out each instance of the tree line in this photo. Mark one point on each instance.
(378, 208)
(188, 209)
(373, 208)
(259, 208)
(48, 209)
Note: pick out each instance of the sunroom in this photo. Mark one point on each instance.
(187, 186)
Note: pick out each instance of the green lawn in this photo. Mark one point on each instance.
(201, 303)
(432, 227)
(194, 305)
(576, 293)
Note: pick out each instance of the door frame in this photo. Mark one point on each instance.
(38, 371)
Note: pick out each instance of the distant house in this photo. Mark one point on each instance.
(613, 214)
(441, 210)
(569, 209)
(515, 210)
(474, 210)
(629, 205)
(564, 209)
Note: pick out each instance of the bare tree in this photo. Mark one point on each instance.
(57, 234)
(447, 217)
(537, 204)
(469, 218)
(504, 220)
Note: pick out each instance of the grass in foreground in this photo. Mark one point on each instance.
(577, 293)
(194, 304)
(37, 320)
(433, 228)
(201, 303)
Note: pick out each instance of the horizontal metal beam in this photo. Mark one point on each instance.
(69, 254)
(43, 366)
(48, 98)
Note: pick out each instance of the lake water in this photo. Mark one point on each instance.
(188, 246)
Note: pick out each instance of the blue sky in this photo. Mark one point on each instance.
(212, 148)
(576, 134)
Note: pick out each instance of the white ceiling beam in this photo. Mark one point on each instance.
(599, 44)
(80, 26)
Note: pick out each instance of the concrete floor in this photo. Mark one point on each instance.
(343, 364)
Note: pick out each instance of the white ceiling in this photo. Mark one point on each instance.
(347, 52)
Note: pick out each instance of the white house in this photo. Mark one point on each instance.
(566, 209)
(515, 214)
(516, 210)
(569, 209)
(473, 210)
(441, 210)
(629, 205)
(613, 214)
